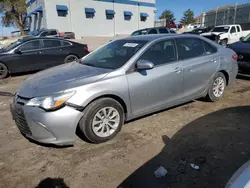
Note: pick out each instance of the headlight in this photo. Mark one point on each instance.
(51, 102)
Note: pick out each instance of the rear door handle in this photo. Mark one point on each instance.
(38, 52)
(61, 50)
(177, 70)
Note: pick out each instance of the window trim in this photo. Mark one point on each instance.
(33, 50)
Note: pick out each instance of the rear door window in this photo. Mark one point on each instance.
(209, 49)
(32, 45)
(152, 31)
(189, 48)
(238, 28)
(163, 30)
(51, 43)
(65, 43)
(53, 32)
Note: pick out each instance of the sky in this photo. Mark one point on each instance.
(177, 6)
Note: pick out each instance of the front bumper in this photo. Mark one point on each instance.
(56, 127)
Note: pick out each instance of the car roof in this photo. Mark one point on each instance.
(150, 28)
(29, 38)
(157, 36)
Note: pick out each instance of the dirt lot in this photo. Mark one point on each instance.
(213, 135)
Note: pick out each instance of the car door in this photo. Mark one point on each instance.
(233, 35)
(53, 52)
(29, 58)
(159, 87)
(200, 62)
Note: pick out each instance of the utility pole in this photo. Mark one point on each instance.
(235, 12)
(114, 15)
(215, 21)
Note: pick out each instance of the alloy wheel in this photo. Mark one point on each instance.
(218, 87)
(105, 122)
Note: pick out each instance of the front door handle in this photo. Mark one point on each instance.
(214, 60)
(177, 70)
(38, 52)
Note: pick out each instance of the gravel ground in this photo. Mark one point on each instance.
(214, 136)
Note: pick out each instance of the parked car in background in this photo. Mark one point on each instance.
(120, 81)
(242, 48)
(172, 25)
(31, 53)
(198, 31)
(193, 26)
(226, 34)
(45, 33)
(152, 30)
(52, 33)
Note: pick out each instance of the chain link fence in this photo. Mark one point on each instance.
(233, 14)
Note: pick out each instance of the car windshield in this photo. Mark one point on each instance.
(246, 38)
(220, 29)
(35, 33)
(13, 45)
(114, 54)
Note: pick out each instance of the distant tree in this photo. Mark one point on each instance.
(188, 17)
(14, 13)
(168, 15)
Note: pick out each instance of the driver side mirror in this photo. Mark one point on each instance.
(144, 65)
(17, 51)
(241, 38)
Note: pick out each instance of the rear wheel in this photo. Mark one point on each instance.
(70, 58)
(102, 120)
(3, 71)
(217, 87)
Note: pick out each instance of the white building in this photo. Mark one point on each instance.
(91, 17)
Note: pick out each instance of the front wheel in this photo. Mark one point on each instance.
(217, 87)
(102, 120)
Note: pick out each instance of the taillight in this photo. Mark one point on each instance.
(235, 57)
(86, 48)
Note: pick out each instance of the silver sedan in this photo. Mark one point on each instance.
(120, 81)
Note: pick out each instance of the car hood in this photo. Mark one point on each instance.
(211, 33)
(243, 47)
(60, 78)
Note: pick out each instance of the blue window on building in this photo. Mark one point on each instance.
(62, 10)
(127, 15)
(144, 16)
(110, 14)
(90, 12)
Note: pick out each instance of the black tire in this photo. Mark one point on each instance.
(210, 94)
(3, 71)
(91, 110)
(224, 42)
(70, 58)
